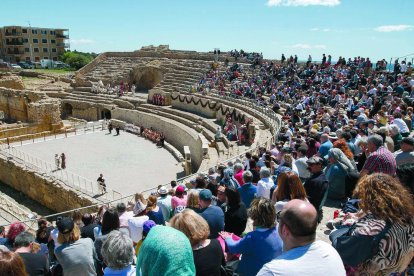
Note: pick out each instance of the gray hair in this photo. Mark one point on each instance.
(238, 167)
(247, 176)
(376, 140)
(24, 239)
(362, 141)
(264, 172)
(394, 129)
(117, 250)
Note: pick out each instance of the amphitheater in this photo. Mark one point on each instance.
(53, 107)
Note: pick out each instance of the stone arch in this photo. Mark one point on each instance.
(106, 114)
(67, 110)
(146, 77)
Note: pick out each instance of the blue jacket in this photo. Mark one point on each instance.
(247, 193)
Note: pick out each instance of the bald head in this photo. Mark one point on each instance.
(324, 137)
(301, 218)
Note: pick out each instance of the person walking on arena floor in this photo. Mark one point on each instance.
(57, 161)
(63, 161)
(101, 183)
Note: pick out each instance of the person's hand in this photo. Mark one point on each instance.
(225, 235)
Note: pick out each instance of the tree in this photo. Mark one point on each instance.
(77, 59)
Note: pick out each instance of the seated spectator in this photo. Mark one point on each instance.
(89, 225)
(11, 263)
(77, 218)
(316, 186)
(153, 211)
(289, 187)
(384, 200)
(35, 263)
(110, 222)
(406, 154)
(124, 216)
(208, 254)
(395, 135)
(302, 254)
(235, 215)
(98, 220)
(259, 246)
(325, 146)
(336, 172)
(212, 214)
(221, 197)
(166, 251)
(138, 206)
(118, 253)
(229, 180)
(146, 227)
(76, 256)
(192, 201)
(14, 229)
(248, 190)
(405, 174)
(380, 160)
(265, 183)
(179, 200)
(300, 163)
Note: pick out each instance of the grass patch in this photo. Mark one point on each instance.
(62, 71)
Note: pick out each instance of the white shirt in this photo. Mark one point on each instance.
(263, 187)
(317, 258)
(302, 167)
(135, 225)
(401, 125)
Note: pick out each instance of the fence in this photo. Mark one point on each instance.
(271, 117)
(10, 212)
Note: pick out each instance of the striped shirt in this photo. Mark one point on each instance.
(381, 161)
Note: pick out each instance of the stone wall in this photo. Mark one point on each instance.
(204, 107)
(52, 194)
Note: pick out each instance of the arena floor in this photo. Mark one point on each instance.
(128, 162)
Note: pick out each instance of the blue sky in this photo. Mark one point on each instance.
(374, 28)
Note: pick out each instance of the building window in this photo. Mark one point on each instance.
(45, 57)
(26, 50)
(53, 50)
(37, 59)
(43, 32)
(44, 50)
(52, 32)
(24, 31)
(52, 41)
(36, 50)
(34, 31)
(55, 58)
(27, 58)
(25, 40)
(35, 40)
(44, 40)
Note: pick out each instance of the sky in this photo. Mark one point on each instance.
(369, 28)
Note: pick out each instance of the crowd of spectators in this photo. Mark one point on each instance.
(346, 134)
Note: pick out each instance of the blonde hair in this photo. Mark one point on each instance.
(193, 225)
(192, 199)
(70, 237)
(140, 197)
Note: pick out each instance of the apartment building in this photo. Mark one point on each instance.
(18, 43)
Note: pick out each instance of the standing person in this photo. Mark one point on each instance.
(102, 184)
(248, 190)
(302, 254)
(57, 161)
(117, 130)
(11, 263)
(164, 202)
(110, 127)
(212, 214)
(63, 161)
(265, 183)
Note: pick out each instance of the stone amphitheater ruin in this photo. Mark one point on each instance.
(188, 120)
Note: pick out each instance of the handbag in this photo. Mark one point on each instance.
(356, 249)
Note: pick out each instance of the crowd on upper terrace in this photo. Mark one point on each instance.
(346, 133)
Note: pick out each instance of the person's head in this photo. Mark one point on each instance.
(407, 144)
(262, 212)
(228, 173)
(15, 229)
(76, 216)
(110, 221)
(192, 199)
(87, 219)
(315, 164)
(12, 264)
(140, 197)
(343, 146)
(121, 208)
(287, 160)
(152, 202)
(193, 225)
(324, 138)
(405, 174)
(264, 172)
(179, 191)
(24, 239)
(383, 196)
(247, 177)
(297, 223)
(68, 231)
(205, 197)
(200, 183)
(394, 129)
(374, 142)
(302, 151)
(238, 167)
(117, 250)
(233, 197)
(289, 187)
(2, 231)
(221, 193)
(42, 233)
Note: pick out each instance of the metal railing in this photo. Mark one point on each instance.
(11, 212)
(272, 118)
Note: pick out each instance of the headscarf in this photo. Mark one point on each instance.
(229, 181)
(165, 251)
(341, 159)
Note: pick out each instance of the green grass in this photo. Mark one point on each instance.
(63, 71)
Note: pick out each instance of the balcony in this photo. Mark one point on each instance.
(14, 43)
(62, 36)
(9, 52)
(12, 34)
(65, 45)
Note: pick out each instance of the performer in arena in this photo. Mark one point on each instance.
(101, 183)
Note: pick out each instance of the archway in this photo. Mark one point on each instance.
(106, 114)
(67, 110)
(146, 77)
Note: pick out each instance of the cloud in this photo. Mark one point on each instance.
(393, 28)
(308, 46)
(82, 41)
(320, 30)
(297, 3)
